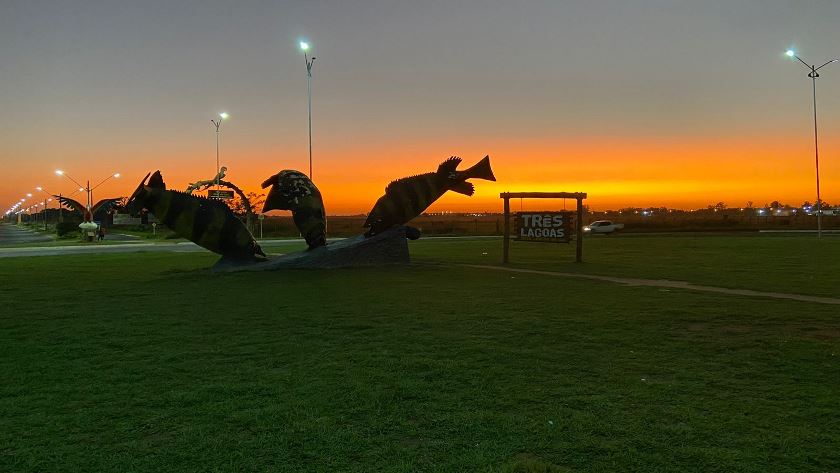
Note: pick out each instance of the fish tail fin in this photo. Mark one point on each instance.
(481, 170)
(156, 181)
(139, 190)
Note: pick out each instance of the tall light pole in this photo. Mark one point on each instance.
(813, 75)
(217, 124)
(88, 190)
(28, 196)
(304, 46)
(46, 201)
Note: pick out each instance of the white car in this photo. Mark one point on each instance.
(603, 226)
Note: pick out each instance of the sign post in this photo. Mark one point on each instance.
(545, 226)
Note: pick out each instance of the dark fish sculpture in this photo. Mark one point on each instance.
(208, 223)
(293, 190)
(407, 198)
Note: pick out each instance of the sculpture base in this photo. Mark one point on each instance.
(387, 248)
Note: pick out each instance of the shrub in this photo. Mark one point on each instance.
(65, 228)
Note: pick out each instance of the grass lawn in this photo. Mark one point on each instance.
(774, 263)
(148, 362)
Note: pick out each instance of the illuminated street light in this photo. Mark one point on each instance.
(813, 75)
(304, 46)
(46, 200)
(217, 124)
(87, 188)
(112, 176)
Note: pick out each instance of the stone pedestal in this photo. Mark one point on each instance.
(387, 248)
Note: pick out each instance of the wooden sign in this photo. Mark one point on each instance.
(554, 227)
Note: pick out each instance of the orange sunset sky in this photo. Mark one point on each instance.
(654, 103)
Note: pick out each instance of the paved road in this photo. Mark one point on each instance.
(269, 246)
(90, 248)
(13, 234)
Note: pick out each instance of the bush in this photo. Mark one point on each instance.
(65, 228)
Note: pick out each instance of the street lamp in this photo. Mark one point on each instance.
(116, 175)
(304, 46)
(813, 75)
(89, 190)
(46, 200)
(217, 124)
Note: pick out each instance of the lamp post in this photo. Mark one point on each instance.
(46, 201)
(813, 75)
(29, 196)
(217, 124)
(304, 46)
(88, 190)
(20, 212)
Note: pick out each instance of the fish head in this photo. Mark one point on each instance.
(287, 187)
(275, 200)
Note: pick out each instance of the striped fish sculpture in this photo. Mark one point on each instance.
(293, 190)
(407, 198)
(208, 223)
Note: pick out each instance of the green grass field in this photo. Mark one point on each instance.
(149, 362)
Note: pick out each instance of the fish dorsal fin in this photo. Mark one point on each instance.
(156, 181)
(450, 165)
(402, 182)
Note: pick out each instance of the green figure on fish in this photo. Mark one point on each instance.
(208, 223)
(293, 190)
(407, 198)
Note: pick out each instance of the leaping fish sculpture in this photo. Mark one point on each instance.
(208, 223)
(407, 198)
(293, 190)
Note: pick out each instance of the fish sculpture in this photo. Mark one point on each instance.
(407, 198)
(208, 223)
(293, 190)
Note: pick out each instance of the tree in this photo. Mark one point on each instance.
(255, 201)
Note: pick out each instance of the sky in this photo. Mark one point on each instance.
(638, 103)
